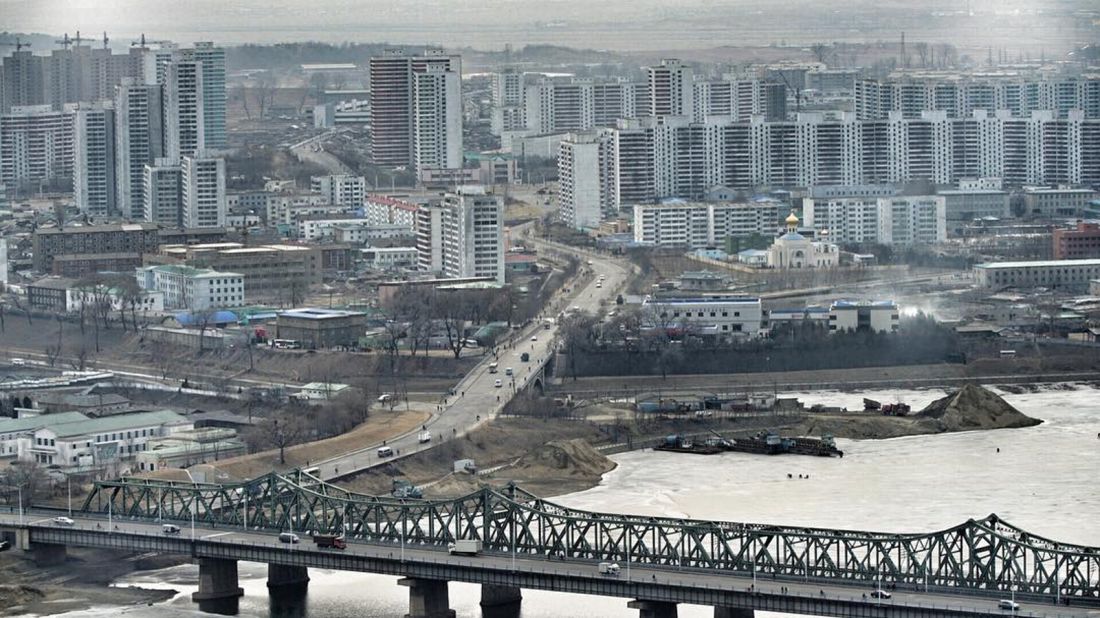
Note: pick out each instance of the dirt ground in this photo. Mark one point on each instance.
(381, 425)
(81, 583)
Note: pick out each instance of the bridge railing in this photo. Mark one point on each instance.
(978, 555)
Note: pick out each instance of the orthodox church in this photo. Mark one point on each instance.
(793, 250)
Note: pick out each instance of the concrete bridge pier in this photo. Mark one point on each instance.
(218, 591)
(500, 601)
(653, 609)
(282, 576)
(734, 612)
(428, 598)
(47, 554)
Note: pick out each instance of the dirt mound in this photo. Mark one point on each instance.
(16, 596)
(973, 407)
(563, 459)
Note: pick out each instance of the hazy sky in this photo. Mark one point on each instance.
(580, 23)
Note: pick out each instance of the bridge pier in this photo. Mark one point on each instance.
(47, 554)
(653, 609)
(734, 612)
(281, 576)
(428, 598)
(494, 596)
(218, 591)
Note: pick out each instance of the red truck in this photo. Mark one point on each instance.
(335, 541)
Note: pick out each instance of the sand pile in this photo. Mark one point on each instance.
(973, 407)
(559, 459)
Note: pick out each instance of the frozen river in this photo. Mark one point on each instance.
(1044, 479)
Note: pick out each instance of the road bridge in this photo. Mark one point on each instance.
(534, 543)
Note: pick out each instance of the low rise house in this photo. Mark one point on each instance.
(321, 328)
(97, 442)
(183, 449)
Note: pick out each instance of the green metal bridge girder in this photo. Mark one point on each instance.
(982, 555)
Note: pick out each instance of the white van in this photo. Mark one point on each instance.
(1008, 604)
(288, 537)
(170, 529)
(385, 451)
(493, 367)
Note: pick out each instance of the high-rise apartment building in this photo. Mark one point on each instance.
(23, 82)
(94, 159)
(184, 123)
(673, 157)
(213, 92)
(36, 146)
(437, 117)
(162, 192)
(139, 141)
(394, 105)
(202, 181)
(671, 88)
(588, 178)
(462, 236)
(961, 96)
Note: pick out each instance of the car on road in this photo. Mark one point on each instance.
(384, 452)
(5, 546)
(499, 383)
(507, 372)
(62, 521)
(534, 338)
(880, 594)
(288, 537)
(1008, 604)
(18, 362)
(170, 529)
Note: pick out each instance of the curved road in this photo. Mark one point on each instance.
(476, 397)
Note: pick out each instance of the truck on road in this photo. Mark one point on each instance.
(609, 568)
(424, 436)
(465, 547)
(334, 541)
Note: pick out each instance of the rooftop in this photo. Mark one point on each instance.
(119, 422)
(91, 229)
(1038, 264)
(678, 300)
(31, 423)
(319, 314)
(191, 271)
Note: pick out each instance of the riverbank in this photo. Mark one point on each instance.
(81, 584)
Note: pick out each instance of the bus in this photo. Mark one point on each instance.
(286, 344)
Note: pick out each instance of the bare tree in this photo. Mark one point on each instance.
(922, 50)
(280, 431)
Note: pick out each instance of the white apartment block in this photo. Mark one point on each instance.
(896, 220)
(203, 190)
(960, 97)
(912, 220)
(340, 189)
(588, 179)
(877, 316)
(437, 118)
(381, 209)
(184, 122)
(162, 192)
(674, 157)
(139, 141)
(698, 225)
(193, 289)
(389, 258)
(394, 106)
(94, 159)
(462, 236)
(671, 88)
(36, 144)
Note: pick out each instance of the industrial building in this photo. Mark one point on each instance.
(1065, 274)
(321, 328)
(721, 315)
(877, 316)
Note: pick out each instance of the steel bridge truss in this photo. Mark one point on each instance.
(982, 555)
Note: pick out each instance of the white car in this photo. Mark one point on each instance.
(62, 521)
(498, 384)
(533, 338)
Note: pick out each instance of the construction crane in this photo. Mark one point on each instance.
(65, 41)
(105, 40)
(18, 45)
(143, 41)
(797, 93)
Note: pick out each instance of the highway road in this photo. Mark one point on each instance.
(506, 561)
(477, 397)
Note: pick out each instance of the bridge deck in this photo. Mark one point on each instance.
(526, 571)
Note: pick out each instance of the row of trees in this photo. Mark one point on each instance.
(640, 342)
